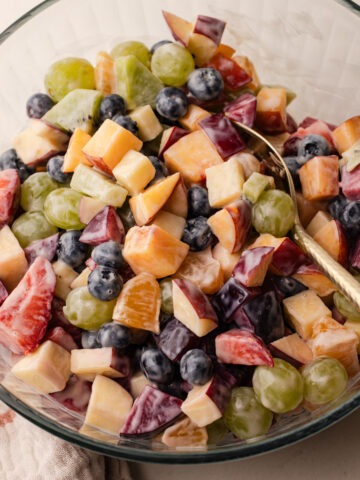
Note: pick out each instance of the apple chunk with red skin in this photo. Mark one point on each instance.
(253, 265)
(89, 362)
(9, 195)
(105, 226)
(332, 238)
(223, 135)
(242, 110)
(292, 349)
(180, 29)
(3, 293)
(192, 307)
(169, 137)
(312, 277)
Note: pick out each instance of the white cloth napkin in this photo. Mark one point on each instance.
(28, 453)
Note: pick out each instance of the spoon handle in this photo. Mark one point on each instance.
(343, 280)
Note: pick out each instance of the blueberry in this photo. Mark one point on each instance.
(205, 83)
(105, 283)
(113, 335)
(108, 254)
(126, 122)
(89, 339)
(337, 206)
(161, 170)
(196, 367)
(172, 103)
(110, 106)
(197, 234)
(198, 201)
(38, 105)
(159, 44)
(349, 218)
(70, 250)
(54, 169)
(9, 159)
(287, 287)
(312, 146)
(293, 166)
(156, 366)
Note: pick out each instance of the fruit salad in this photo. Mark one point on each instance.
(148, 276)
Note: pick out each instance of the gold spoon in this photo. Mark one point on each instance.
(341, 278)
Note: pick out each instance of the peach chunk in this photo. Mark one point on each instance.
(151, 249)
(191, 156)
(319, 178)
(346, 134)
(74, 154)
(193, 116)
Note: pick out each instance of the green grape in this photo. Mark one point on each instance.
(274, 213)
(31, 226)
(61, 208)
(69, 74)
(216, 431)
(172, 64)
(278, 388)
(87, 312)
(138, 49)
(324, 380)
(35, 189)
(166, 296)
(245, 416)
(345, 307)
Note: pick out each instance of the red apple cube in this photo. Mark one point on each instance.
(242, 109)
(9, 195)
(212, 28)
(223, 135)
(169, 137)
(233, 75)
(180, 29)
(241, 347)
(350, 183)
(26, 312)
(292, 349)
(202, 48)
(252, 266)
(105, 226)
(177, 203)
(312, 277)
(86, 363)
(332, 238)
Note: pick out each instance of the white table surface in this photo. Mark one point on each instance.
(331, 455)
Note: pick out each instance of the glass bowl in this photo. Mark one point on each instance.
(311, 47)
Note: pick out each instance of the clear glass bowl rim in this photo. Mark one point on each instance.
(234, 452)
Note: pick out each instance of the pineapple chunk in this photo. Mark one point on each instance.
(86, 363)
(74, 154)
(224, 183)
(319, 220)
(319, 178)
(346, 134)
(303, 310)
(65, 276)
(193, 116)
(147, 204)
(47, 368)
(109, 405)
(171, 223)
(109, 144)
(191, 156)
(147, 122)
(13, 263)
(332, 339)
(134, 172)
(151, 249)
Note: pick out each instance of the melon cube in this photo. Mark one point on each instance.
(74, 154)
(134, 172)
(256, 184)
(109, 144)
(191, 156)
(271, 110)
(171, 223)
(151, 249)
(13, 263)
(319, 178)
(65, 275)
(109, 405)
(147, 122)
(193, 116)
(47, 368)
(224, 183)
(303, 310)
(346, 134)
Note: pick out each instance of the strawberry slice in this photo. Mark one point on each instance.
(9, 195)
(26, 312)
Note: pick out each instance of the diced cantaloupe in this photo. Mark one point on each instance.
(319, 220)
(224, 183)
(319, 178)
(13, 263)
(303, 310)
(330, 338)
(144, 246)
(271, 109)
(171, 223)
(47, 368)
(134, 172)
(74, 154)
(146, 205)
(109, 144)
(346, 134)
(249, 68)
(193, 116)
(147, 123)
(191, 156)
(332, 238)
